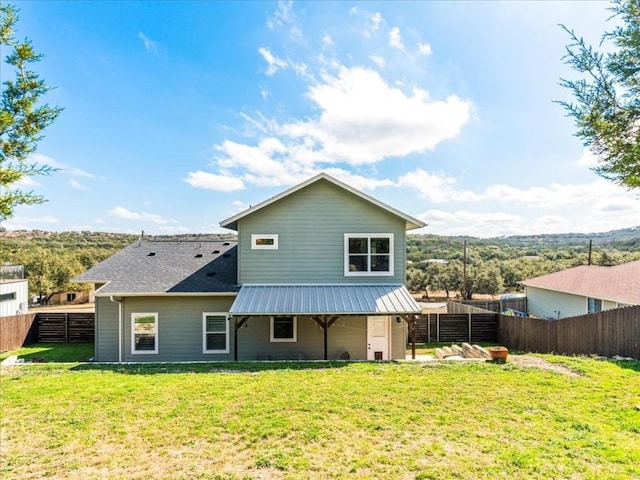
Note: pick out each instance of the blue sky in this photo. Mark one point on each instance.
(180, 114)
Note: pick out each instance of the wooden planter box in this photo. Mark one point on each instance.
(498, 354)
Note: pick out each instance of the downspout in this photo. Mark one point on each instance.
(119, 302)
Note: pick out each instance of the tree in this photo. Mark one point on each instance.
(22, 117)
(50, 273)
(607, 99)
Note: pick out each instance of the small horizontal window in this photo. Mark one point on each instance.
(284, 329)
(264, 242)
(7, 297)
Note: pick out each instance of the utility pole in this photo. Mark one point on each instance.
(590, 245)
(464, 272)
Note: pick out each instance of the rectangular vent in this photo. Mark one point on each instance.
(226, 243)
(198, 255)
(210, 274)
(151, 254)
(215, 252)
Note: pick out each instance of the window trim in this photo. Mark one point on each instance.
(8, 297)
(283, 340)
(257, 236)
(133, 333)
(595, 300)
(368, 273)
(204, 331)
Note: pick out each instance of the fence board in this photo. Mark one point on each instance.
(65, 327)
(608, 333)
(16, 331)
(451, 328)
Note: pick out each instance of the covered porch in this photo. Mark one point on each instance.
(320, 321)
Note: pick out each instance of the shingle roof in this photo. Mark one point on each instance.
(167, 267)
(620, 283)
(320, 299)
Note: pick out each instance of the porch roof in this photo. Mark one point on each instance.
(324, 299)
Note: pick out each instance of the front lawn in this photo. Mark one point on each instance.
(53, 352)
(445, 420)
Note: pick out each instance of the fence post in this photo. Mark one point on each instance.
(437, 328)
(428, 328)
(469, 327)
(66, 328)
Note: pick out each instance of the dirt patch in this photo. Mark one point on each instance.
(529, 361)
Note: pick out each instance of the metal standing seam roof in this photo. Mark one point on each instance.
(314, 299)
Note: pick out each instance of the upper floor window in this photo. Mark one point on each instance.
(144, 333)
(264, 242)
(368, 254)
(594, 305)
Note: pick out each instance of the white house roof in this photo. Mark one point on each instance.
(620, 283)
(322, 299)
(411, 222)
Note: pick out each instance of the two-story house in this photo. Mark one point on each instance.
(317, 272)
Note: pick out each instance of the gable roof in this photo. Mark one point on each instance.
(411, 222)
(620, 283)
(182, 267)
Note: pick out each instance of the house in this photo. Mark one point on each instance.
(71, 297)
(316, 272)
(585, 289)
(14, 290)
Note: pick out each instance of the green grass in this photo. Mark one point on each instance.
(316, 420)
(53, 352)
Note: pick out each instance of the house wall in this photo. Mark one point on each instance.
(310, 225)
(18, 305)
(180, 333)
(80, 298)
(545, 303)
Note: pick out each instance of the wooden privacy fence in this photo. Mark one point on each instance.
(460, 327)
(477, 306)
(16, 331)
(65, 327)
(608, 333)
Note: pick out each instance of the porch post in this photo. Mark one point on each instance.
(412, 323)
(235, 340)
(325, 328)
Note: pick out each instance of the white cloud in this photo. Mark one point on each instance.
(149, 45)
(378, 60)
(27, 223)
(210, 181)
(124, 213)
(26, 182)
(282, 16)
(437, 188)
(76, 184)
(588, 159)
(273, 62)
(326, 40)
(375, 19)
(424, 49)
(40, 159)
(395, 39)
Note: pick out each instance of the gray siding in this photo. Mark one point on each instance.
(106, 334)
(399, 331)
(310, 225)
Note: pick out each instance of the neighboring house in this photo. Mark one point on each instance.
(71, 297)
(14, 290)
(317, 272)
(582, 290)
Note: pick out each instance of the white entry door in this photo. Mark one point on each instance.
(378, 338)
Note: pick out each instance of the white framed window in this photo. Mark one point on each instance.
(144, 333)
(283, 329)
(7, 297)
(594, 305)
(215, 333)
(264, 241)
(368, 254)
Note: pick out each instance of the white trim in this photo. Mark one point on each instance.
(204, 331)
(133, 333)
(266, 236)
(295, 330)
(411, 222)
(368, 273)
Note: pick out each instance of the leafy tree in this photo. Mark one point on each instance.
(50, 273)
(22, 116)
(607, 99)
